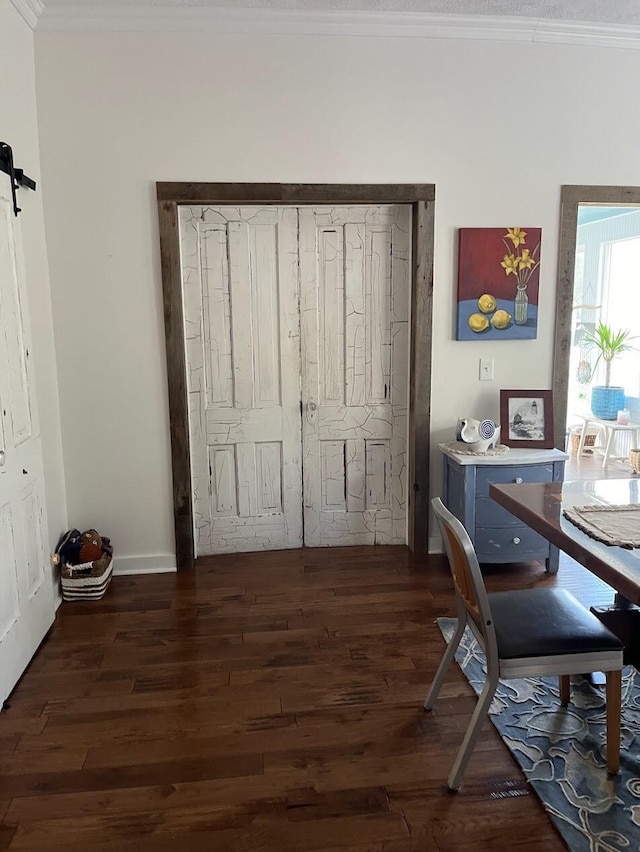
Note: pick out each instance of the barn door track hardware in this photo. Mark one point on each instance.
(17, 176)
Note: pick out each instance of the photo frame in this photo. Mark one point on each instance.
(526, 419)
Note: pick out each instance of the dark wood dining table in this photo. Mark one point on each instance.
(541, 506)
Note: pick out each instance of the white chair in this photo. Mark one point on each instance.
(524, 633)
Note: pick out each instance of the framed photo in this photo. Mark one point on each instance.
(526, 419)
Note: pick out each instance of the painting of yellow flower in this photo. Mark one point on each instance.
(516, 235)
(510, 264)
(519, 261)
(498, 278)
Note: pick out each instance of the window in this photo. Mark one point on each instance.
(621, 306)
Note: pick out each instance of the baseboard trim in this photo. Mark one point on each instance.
(157, 563)
(435, 544)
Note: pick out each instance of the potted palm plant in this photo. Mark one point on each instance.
(607, 400)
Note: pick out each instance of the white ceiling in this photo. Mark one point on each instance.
(597, 11)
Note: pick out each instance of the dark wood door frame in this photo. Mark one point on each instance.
(572, 197)
(421, 197)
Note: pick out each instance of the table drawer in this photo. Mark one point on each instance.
(491, 514)
(502, 544)
(486, 476)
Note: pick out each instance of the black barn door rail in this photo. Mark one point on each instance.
(17, 176)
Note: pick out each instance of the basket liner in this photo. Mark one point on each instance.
(88, 575)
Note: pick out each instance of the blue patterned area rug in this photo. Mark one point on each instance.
(562, 750)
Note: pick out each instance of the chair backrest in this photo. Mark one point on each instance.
(465, 570)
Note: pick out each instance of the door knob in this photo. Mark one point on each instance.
(518, 479)
(516, 540)
(312, 406)
(3, 457)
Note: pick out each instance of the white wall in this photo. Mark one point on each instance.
(18, 127)
(497, 127)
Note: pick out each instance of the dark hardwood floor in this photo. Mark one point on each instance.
(264, 702)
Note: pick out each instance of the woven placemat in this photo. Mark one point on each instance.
(615, 525)
(461, 449)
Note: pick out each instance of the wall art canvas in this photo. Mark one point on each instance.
(498, 283)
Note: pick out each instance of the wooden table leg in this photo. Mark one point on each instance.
(607, 451)
(583, 435)
(625, 623)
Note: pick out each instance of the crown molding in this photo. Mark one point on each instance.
(76, 18)
(29, 10)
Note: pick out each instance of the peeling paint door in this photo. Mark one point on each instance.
(355, 274)
(240, 293)
(26, 593)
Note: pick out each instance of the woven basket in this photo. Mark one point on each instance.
(88, 581)
(589, 441)
(634, 460)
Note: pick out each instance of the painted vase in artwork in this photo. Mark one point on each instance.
(521, 305)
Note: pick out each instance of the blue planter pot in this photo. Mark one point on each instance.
(606, 402)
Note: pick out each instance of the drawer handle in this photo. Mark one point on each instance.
(518, 479)
(516, 540)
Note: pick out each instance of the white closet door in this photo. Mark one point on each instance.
(240, 288)
(26, 593)
(355, 276)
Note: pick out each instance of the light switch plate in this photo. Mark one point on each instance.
(486, 369)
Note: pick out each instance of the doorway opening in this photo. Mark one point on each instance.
(419, 199)
(599, 258)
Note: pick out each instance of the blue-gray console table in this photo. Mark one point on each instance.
(499, 536)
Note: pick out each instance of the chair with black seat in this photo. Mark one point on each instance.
(524, 633)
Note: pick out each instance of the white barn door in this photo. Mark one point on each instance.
(240, 293)
(355, 277)
(26, 592)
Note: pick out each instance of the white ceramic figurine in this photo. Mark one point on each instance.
(478, 435)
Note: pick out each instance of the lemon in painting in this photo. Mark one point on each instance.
(487, 303)
(501, 319)
(478, 323)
